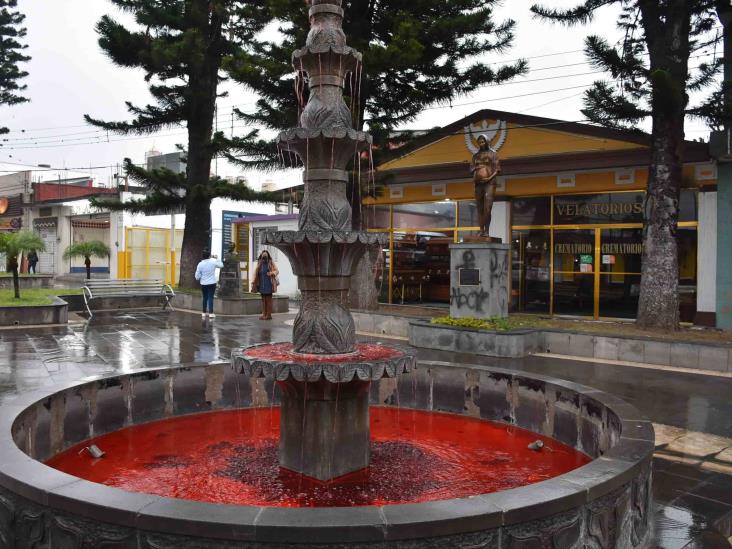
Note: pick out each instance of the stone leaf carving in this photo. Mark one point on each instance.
(323, 326)
(641, 501)
(607, 520)
(31, 530)
(7, 523)
(560, 531)
(70, 533)
(319, 115)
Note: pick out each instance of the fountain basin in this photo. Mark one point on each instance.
(606, 503)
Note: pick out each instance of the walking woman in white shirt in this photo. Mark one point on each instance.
(206, 275)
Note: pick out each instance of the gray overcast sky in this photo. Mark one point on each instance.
(69, 76)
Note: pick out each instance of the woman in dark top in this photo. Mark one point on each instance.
(32, 261)
(265, 282)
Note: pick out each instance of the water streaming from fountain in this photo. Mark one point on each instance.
(324, 375)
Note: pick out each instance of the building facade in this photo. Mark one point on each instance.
(570, 201)
(248, 235)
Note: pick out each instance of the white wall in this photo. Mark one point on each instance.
(500, 221)
(706, 271)
(288, 281)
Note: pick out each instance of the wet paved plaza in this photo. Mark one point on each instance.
(692, 412)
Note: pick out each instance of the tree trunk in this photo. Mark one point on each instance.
(658, 306)
(16, 282)
(364, 286)
(195, 239)
(668, 48)
(87, 262)
(203, 84)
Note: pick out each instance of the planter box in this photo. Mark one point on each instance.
(232, 306)
(520, 343)
(513, 344)
(32, 281)
(680, 354)
(35, 315)
(380, 323)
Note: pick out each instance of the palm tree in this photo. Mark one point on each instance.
(13, 245)
(87, 250)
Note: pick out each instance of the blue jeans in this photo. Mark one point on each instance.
(208, 291)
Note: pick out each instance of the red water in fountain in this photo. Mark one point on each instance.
(285, 352)
(231, 457)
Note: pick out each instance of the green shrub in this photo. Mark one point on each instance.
(496, 324)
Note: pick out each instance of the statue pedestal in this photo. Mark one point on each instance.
(230, 278)
(479, 280)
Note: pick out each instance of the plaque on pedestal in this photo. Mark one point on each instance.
(479, 280)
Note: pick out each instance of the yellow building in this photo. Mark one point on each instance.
(570, 202)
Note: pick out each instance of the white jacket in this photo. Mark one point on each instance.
(206, 271)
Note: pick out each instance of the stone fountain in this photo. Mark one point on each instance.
(324, 374)
(325, 377)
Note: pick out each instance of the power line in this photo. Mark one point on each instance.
(90, 133)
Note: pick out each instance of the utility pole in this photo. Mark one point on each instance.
(721, 147)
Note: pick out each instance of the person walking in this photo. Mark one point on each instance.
(265, 282)
(32, 261)
(206, 276)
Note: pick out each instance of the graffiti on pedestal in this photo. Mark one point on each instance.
(472, 299)
(473, 292)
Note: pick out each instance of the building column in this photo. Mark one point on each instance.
(500, 221)
(724, 252)
(706, 260)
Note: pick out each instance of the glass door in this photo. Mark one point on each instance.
(530, 270)
(575, 264)
(620, 272)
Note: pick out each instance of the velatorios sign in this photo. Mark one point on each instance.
(600, 209)
(596, 209)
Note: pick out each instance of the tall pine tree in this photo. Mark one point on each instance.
(415, 54)
(652, 78)
(11, 55)
(184, 47)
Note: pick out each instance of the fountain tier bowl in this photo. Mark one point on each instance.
(606, 503)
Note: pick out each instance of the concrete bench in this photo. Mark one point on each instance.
(127, 288)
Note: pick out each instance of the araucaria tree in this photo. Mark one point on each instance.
(11, 55)
(184, 47)
(415, 54)
(653, 77)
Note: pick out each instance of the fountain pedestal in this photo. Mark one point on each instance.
(324, 427)
(324, 424)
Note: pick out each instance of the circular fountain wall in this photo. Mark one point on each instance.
(606, 503)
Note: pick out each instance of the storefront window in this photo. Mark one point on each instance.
(376, 217)
(421, 271)
(467, 214)
(530, 272)
(427, 215)
(531, 211)
(687, 239)
(688, 209)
